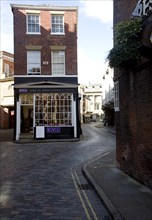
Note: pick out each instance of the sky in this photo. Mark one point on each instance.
(95, 33)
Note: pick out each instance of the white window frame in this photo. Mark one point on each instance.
(27, 28)
(6, 69)
(53, 109)
(57, 24)
(116, 96)
(57, 63)
(36, 64)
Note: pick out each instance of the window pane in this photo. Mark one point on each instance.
(52, 110)
(33, 24)
(116, 96)
(57, 24)
(58, 63)
(33, 62)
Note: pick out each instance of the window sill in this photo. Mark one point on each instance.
(31, 74)
(33, 33)
(60, 34)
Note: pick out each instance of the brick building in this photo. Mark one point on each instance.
(6, 90)
(133, 103)
(45, 78)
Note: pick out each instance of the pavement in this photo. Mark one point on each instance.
(123, 196)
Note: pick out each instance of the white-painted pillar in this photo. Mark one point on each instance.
(74, 118)
(18, 120)
(33, 111)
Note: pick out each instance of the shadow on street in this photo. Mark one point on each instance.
(6, 135)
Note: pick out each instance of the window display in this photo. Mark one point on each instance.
(53, 109)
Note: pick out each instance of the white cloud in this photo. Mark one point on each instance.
(101, 10)
(89, 70)
(6, 42)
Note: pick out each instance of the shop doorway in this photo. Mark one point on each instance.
(26, 119)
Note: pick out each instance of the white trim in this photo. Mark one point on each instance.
(32, 33)
(33, 11)
(52, 52)
(18, 120)
(5, 57)
(57, 48)
(33, 110)
(46, 7)
(58, 33)
(57, 12)
(36, 33)
(39, 53)
(74, 118)
(116, 97)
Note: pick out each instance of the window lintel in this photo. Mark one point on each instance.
(33, 12)
(57, 47)
(57, 12)
(33, 47)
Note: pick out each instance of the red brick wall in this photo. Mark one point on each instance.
(134, 120)
(123, 9)
(45, 40)
(134, 123)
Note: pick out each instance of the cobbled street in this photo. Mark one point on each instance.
(39, 181)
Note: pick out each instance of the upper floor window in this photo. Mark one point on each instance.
(33, 62)
(57, 22)
(116, 96)
(33, 23)
(97, 106)
(58, 62)
(6, 69)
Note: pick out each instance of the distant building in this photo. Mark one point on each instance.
(91, 102)
(6, 90)
(45, 78)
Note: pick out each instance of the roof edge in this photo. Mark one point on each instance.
(45, 6)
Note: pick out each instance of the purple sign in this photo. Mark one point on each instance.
(53, 130)
(23, 90)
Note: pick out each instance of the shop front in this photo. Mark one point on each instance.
(46, 111)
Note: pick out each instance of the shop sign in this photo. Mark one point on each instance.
(143, 7)
(45, 90)
(23, 90)
(53, 130)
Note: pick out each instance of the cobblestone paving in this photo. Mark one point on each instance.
(36, 181)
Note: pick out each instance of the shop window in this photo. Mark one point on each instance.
(33, 23)
(26, 99)
(33, 62)
(58, 63)
(116, 96)
(57, 22)
(53, 109)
